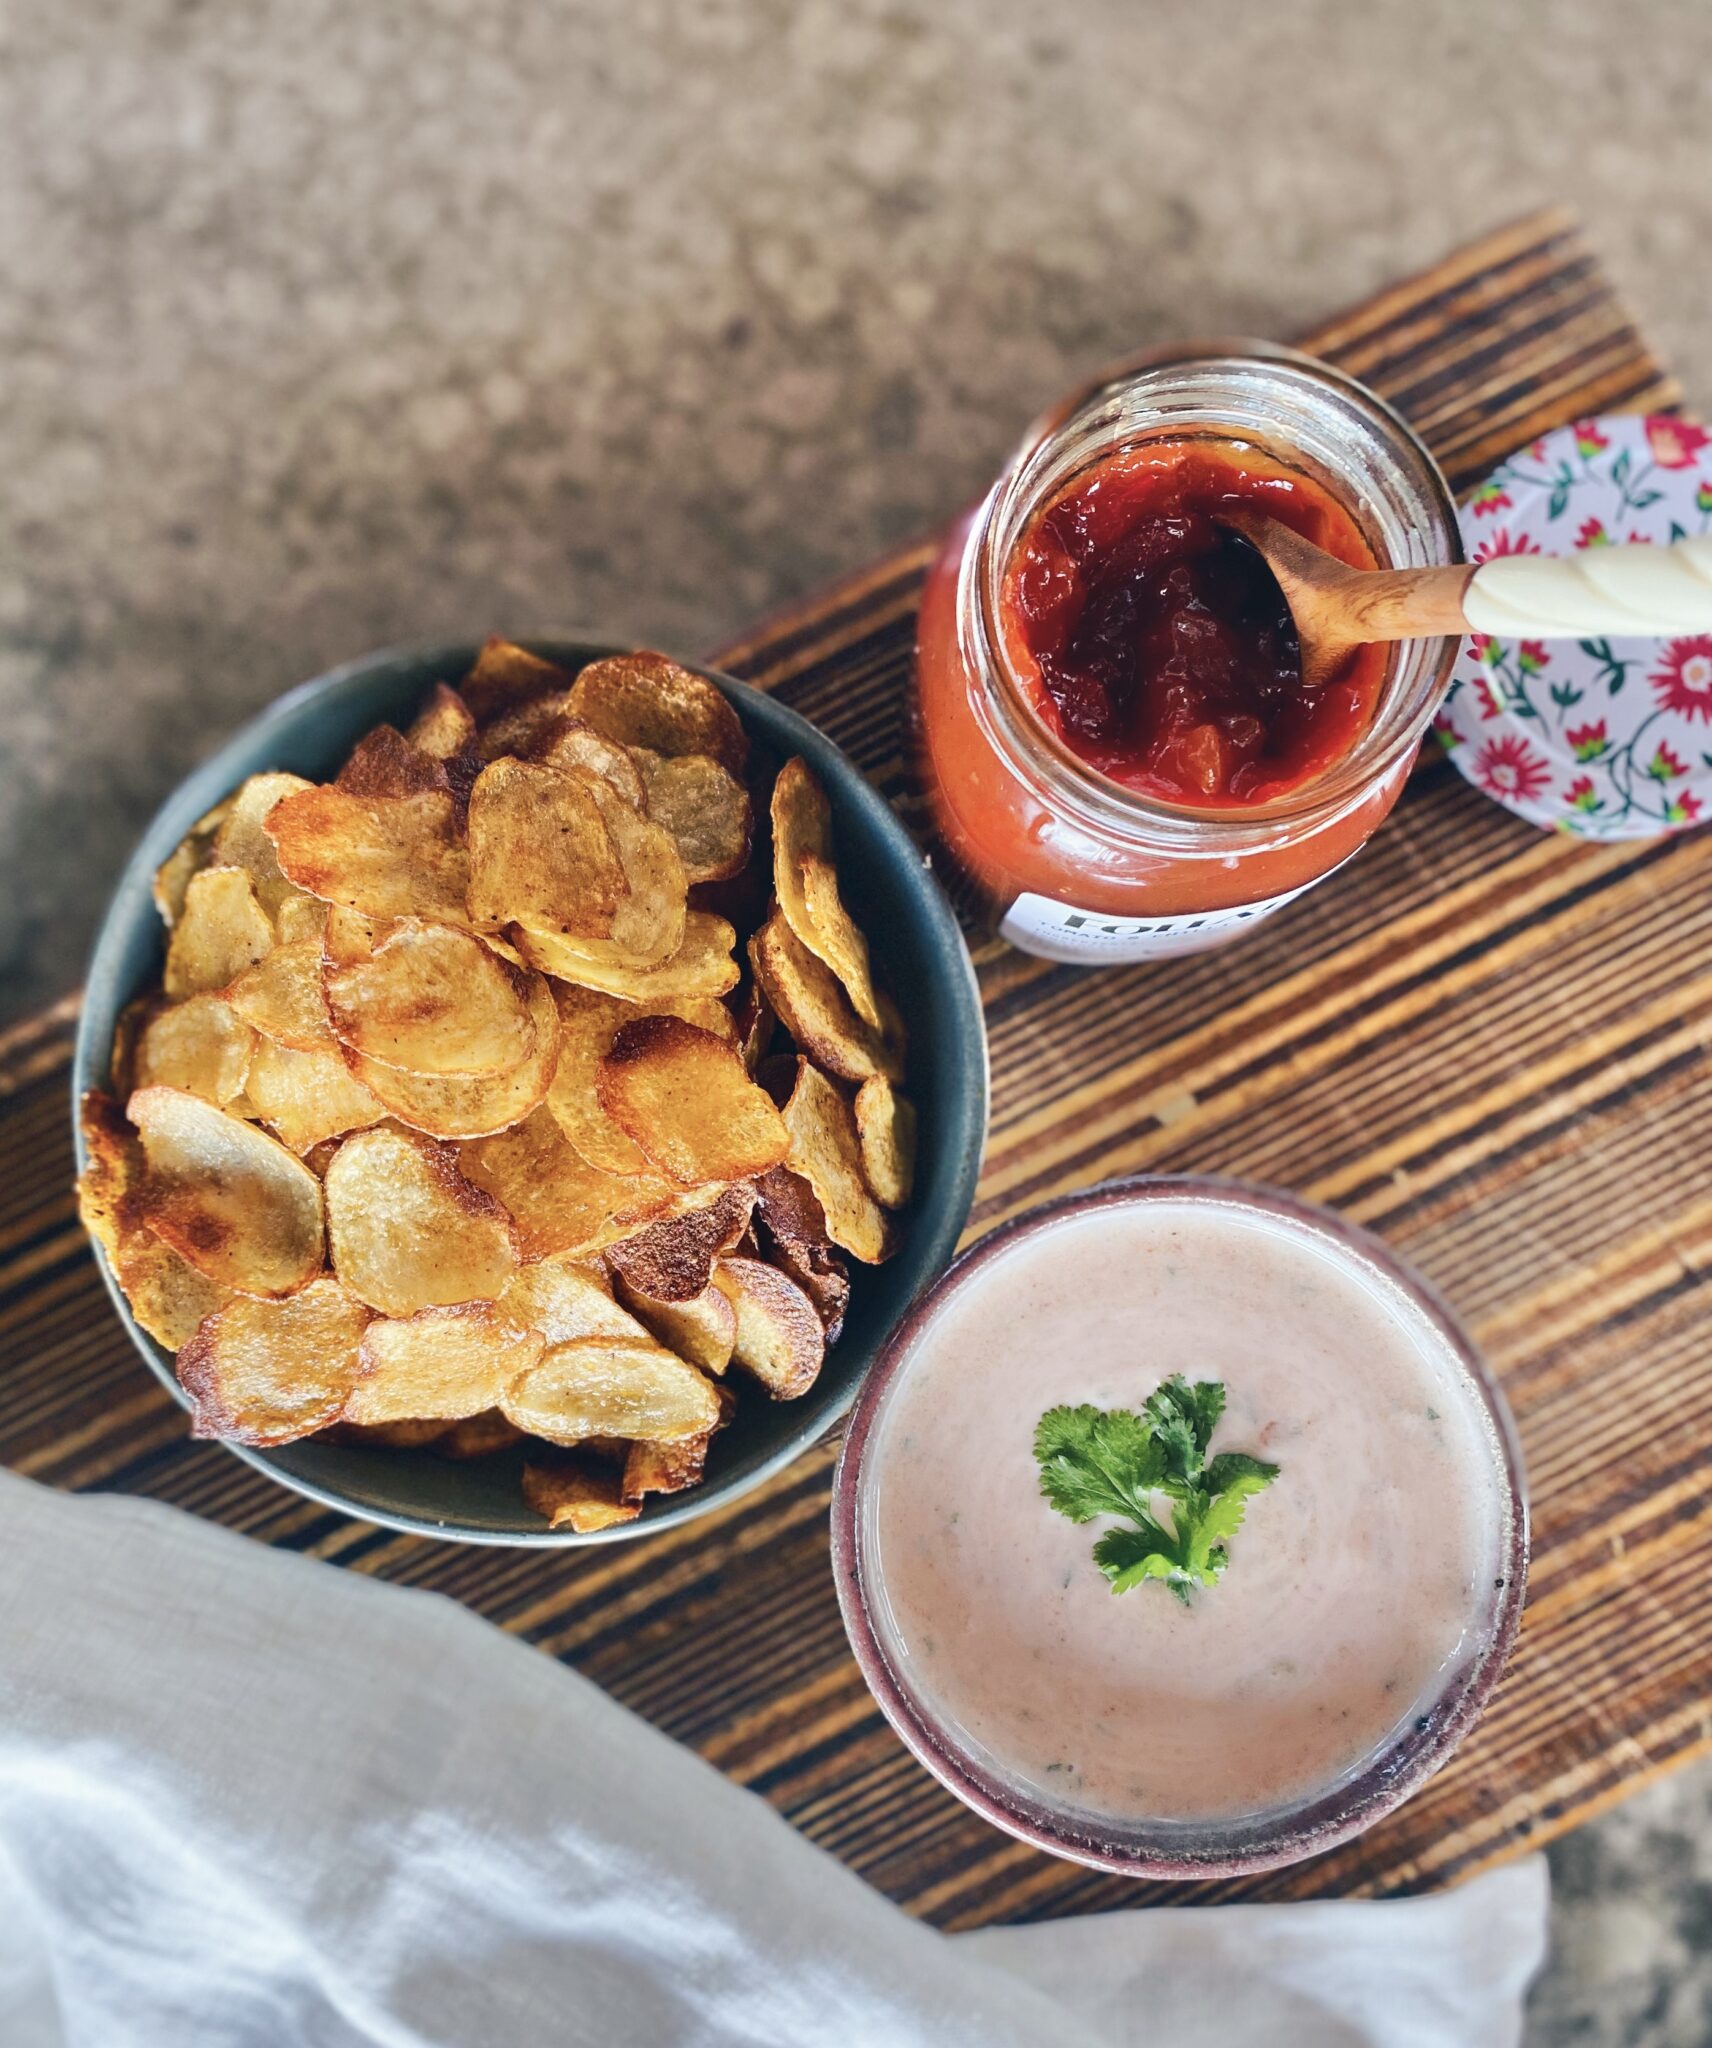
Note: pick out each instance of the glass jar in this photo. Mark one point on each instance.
(1076, 866)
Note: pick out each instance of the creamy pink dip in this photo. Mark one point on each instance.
(1355, 1579)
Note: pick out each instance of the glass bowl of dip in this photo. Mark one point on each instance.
(1371, 1595)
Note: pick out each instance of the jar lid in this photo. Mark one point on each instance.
(1608, 739)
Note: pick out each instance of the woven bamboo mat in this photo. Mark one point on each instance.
(1487, 1043)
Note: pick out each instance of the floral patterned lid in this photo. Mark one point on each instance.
(1609, 739)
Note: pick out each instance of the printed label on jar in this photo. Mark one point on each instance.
(1090, 938)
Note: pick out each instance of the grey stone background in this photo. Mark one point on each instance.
(329, 323)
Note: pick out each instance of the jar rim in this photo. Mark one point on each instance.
(1423, 531)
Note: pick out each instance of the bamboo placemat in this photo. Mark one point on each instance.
(1486, 1042)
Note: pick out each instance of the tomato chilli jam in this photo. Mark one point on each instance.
(1115, 732)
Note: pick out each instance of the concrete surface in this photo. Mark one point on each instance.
(327, 325)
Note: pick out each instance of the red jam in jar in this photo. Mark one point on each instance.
(1157, 644)
(1115, 737)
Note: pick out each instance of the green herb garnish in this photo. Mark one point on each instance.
(1112, 1461)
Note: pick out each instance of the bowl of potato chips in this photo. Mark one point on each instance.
(519, 1088)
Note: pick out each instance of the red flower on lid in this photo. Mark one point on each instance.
(1683, 809)
(1531, 657)
(1592, 534)
(1579, 795)
(1508, 767)
(1666, 765)
(1588, 742)
(1683, 680)
(1588, 439)
(1490, 498)
(1675, 443)
(1504, 542)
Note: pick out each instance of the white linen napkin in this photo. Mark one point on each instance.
(248, 1800)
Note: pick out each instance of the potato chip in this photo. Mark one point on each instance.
(827, 1152)
(478, 1436)
(523, 730)
(705, 809)
(793, 1235)
(242, 840)
(406, 1230)
(201, 1044)
(506, 674)
(445, 726)
(190, 855)
(349, 936)
(755, 1021)
(813, 1007)
(702, 1330)
(672, 1260)
(588, 1022)
(226, 1196)
(463, 1105)
(893, 1038)
(385, 856)
(301, 917)
(836, 939)
(540, 852)
(572, 1494)
(806, 885)
(563, 1299)
(267, 1372)
(307, 1096)
(221, 931)
(611, 1386)
(556, 1199)
(802, 824)
(113, 1170)
(433, 999)
(280, 996)
(646, 700)
(385, 763)
(544, 730)
(648, 926)
(571, 744)
(663, 1468)
(702, 966)
(168, 1297)
(885, 1129)
(440, 1363)
(128, 1028)
(685, 1098)
(706, 1013)
(780, 1338)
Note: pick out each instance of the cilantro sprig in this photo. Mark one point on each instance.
(1140, 1467)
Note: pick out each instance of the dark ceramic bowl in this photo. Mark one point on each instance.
(919, 952)
(1374, 1785)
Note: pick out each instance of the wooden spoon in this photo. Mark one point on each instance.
(1634, 591)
